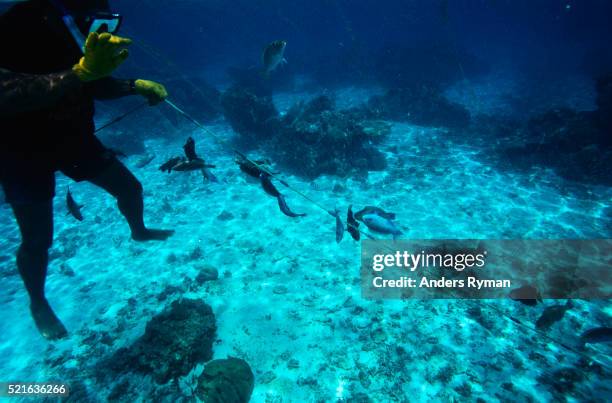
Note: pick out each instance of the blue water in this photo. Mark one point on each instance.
(287, 291)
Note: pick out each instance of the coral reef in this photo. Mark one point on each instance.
(317, 139)
(570, 142)
(253, 117)
(312, 138)
(175, 341)
(226, 381)
(576, 144)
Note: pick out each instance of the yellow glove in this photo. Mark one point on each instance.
(102, 55)
(151, 90)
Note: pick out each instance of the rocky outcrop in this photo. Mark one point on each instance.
(253, 117)
(313, 138)
(226, 381)
(577, 145)
(174, 342)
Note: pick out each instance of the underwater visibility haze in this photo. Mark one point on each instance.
(219, 167)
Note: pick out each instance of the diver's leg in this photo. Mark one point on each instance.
(117, 180)
(35, 222)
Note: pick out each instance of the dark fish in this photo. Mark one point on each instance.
(374, 210)
(192, 165)
(189, 149)
(171, 163)
(251, 169)
(268, 186)
(273, 56)
(352, 224)
(552, 315)
(282, 204)
(339, 226)
(195, 161)
(597, 335)
(73, 208)
(527, 294)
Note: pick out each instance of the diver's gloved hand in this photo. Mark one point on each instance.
(103, 54)
(154, 92)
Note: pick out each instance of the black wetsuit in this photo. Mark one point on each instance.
(46, 114)
(46, 125)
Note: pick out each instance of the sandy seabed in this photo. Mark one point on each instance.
(288, 299)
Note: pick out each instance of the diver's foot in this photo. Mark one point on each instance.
(49, 326)
(152, 235)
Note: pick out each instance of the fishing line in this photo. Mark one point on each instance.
(242, 155)
(120, 117)
(260, 166)
(158, 56)
(544, 335)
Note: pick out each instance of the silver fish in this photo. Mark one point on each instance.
(374, 210)
(381, 225)
(273, 56)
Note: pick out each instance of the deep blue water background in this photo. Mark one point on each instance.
(543, 36)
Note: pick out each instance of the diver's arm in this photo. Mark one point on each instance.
(29, 92)
(111, 88)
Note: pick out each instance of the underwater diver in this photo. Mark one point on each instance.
(57, 57)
